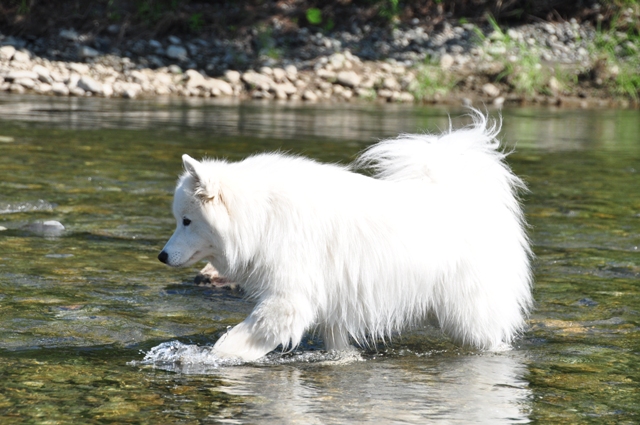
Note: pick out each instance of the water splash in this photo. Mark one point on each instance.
(20, 207)
(194, 359)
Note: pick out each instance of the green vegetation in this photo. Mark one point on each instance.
(618, 50)
(432, 81)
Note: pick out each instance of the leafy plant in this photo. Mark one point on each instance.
(196, 22)
(314, 16)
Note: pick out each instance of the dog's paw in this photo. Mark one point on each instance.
(209, 276)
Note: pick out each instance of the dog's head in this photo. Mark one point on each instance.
(201, 217)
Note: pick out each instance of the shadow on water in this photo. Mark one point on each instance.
(80, 309)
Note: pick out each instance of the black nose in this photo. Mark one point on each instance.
(163, 256)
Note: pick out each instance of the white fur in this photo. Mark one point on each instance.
(437, 233)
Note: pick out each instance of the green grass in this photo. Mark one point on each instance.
(431, 81)
(620, 48)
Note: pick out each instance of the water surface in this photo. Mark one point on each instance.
(79, 308)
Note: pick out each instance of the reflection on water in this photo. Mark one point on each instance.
(80, 308)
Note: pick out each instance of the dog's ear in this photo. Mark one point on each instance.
(205, 188)
(192, 166)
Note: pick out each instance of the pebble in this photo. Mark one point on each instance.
(366, 63)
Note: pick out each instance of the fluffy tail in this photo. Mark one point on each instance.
(482, 198)
(428, 156)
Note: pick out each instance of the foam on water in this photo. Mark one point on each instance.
(185, 358)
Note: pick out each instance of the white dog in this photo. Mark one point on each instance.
(437, 233)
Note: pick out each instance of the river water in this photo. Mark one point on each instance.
(81, 308)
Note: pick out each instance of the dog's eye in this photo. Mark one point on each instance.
(186, 221)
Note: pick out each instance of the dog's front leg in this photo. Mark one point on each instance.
(274, 321)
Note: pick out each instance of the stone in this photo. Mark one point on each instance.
(27, 83)
(193, 78)
(292, 72)
(232, 77)
(59, 89)
(348, 78)
(174, 40)
(16, 88)
(77, 91)
(177, 52)
(15, 75)
(258, 81)
(491, 90)
(309, 95)
(390, 83)
(446, 62)
(87, 83)
(43, 74)
(554, 86)
(87, 52)
(107, 90)
(70, 34)
(406, 97)
(279, 75)
(385, 93)
(43, 88)
(21, 57)
(80, 68)
(221, 86)
(6, 53)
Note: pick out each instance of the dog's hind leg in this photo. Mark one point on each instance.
(335, 338)
(274, 321)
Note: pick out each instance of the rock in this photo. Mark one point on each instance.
(491, 90)
(406, 97)
(218, 85)
(80, 68)
(21, 57)
(43, 74)
(46, 228)
(385, 93)
(27, 83)
(6, 53)
(59, 89)
(390, 83)
(127, 90)
(292, 72)
(87, 52)
(87, 83)
(177, 52)
(232, 77)
(310, 96)
(70, 34)
(348, 78)
(193, 78)
(107, 90)
(279, 75)
(42, 88)
(16, 75)
(16, 88)
(446, 62)
(554, 86)
(258, 81)
(76, 91)
(174, 40)
(498, 102)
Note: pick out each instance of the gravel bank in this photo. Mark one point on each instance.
(458, 63)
